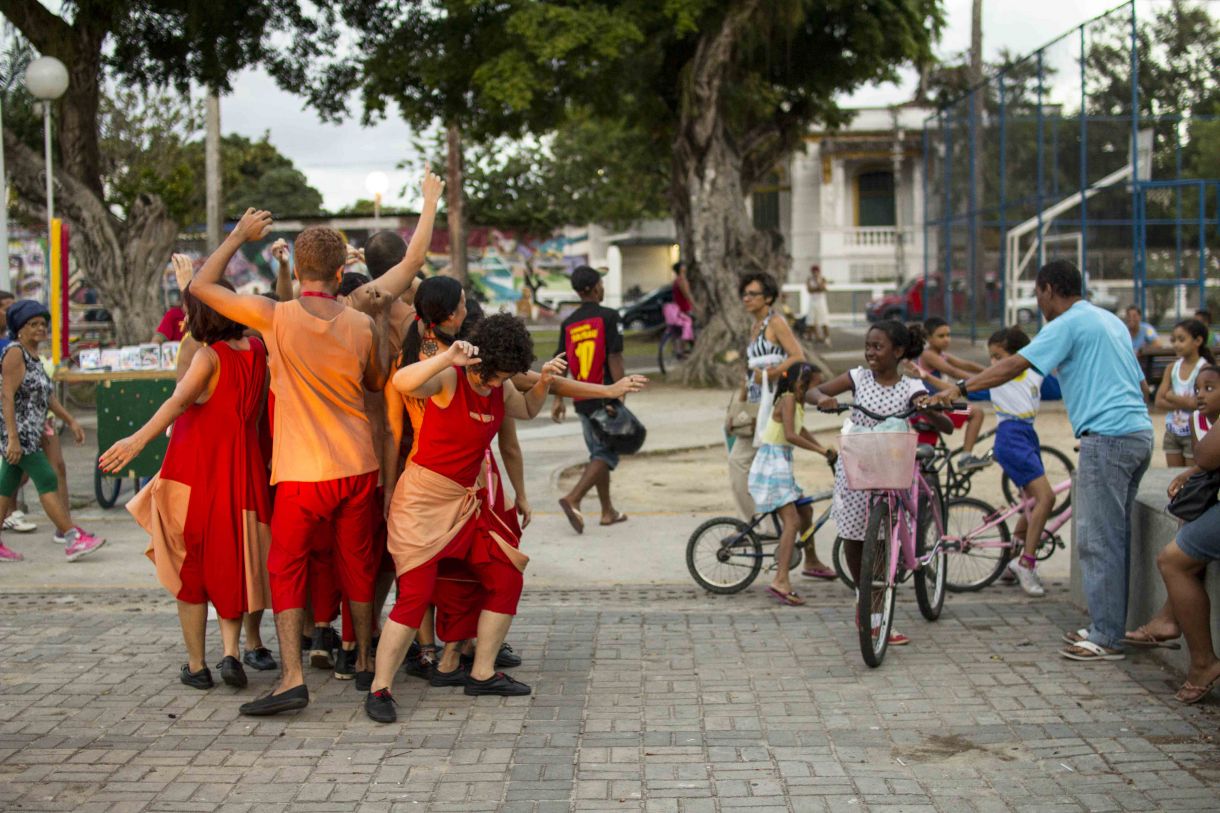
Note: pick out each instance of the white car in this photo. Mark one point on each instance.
(1027, 306)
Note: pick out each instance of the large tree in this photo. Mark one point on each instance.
(723, 91)
(124, 239)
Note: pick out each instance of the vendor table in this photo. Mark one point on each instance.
(125, 401)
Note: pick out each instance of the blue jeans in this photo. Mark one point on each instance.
(1107, 479)
(597, 450)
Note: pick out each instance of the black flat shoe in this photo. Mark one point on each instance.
(322, 648)
(259, 659)
(421, 665)
(498, 684)
(345, 664)
(364, 681)
(291, 700)
(231, 672)
(196, 680)
(379, 706)
(455, 678)
(506, 658)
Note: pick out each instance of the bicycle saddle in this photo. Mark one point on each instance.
(925, 452)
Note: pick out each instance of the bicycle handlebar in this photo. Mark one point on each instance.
(908, 413)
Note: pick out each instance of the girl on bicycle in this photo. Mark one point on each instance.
(772, 484)
(1016, 450)
(1177, 391)
(935, 362)
(881, 387)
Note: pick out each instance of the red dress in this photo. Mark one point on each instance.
(209, 509)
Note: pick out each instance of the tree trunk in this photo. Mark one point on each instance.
(453, 203)
(708, 197)
(123, 259)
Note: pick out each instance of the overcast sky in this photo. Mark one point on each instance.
(338, 158)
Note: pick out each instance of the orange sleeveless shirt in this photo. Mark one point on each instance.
(317, 374)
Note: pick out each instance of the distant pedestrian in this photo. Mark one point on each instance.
(678, 312)
(819, 310)
(1143, 335)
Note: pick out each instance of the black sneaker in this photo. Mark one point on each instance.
(379, 706)
(498, 684)
(506, 658)
(322, 648)
(196, 680)
(364, 681)
(231, 672)
(291, 700)
(455, 678)
(345, 664)
(421, 663)
(259, 659)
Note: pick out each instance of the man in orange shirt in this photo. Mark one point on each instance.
(323, 356)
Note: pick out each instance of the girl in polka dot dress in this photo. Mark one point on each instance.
(881, 387)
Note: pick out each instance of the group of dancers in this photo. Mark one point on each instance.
(303, 496)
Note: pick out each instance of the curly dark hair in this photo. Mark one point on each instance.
(206, 325)
(504, 345)
(769, 289)
(350, 281)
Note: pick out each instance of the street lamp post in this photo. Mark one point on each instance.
(377, 183)
(47, 79)
(6, 279)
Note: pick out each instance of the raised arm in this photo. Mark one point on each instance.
(999, 373)
(427, 379)
(935, 361)
(283, 271)
(965, 364)
(251, 310)
(193, 386)
(526, 405)
(395, 282)
(571, 388)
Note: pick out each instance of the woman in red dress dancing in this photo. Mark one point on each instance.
(438, 511)
(208, 510)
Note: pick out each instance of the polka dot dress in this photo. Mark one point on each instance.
(850, 510)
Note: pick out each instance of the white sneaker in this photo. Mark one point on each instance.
(16, 521)
(1028, 577)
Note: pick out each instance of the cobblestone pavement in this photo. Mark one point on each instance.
(645, 699)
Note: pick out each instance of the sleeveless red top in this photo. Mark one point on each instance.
(680, 299)
(454, 441)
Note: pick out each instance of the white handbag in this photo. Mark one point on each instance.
(766, 401)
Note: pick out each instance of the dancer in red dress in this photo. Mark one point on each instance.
(208, 510)
(437, 511)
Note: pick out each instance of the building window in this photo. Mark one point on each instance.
(875, 199)
(765, 203)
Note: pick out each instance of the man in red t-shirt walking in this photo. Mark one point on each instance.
(591, 338)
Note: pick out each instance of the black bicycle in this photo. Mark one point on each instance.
(725, 555)
(671, 349)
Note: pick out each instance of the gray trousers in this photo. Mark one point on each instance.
(740, 459)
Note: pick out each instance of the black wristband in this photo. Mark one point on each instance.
(961, 386)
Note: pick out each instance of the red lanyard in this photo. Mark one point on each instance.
(319, 294)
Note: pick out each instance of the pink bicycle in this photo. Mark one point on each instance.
(979, 544)
(904, 531)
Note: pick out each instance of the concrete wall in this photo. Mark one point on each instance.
(1154, 528)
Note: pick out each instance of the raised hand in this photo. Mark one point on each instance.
(628, 384)
(184, 269)
(432, 186)
(255, 224)
(553, 368)
(463, 354)
(280, 251)
(354, 256)
(119, 455)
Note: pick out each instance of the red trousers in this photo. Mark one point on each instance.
(497, 585)
(349, 507)
(458, 596)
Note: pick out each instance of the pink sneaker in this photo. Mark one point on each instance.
(7, 554)
(81, 543)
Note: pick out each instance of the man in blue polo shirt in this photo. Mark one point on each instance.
(1090, 350)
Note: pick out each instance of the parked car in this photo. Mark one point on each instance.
(1027, 306)
(645, 313)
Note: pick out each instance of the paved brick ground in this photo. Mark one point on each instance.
(648, 699)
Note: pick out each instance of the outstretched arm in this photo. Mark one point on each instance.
(571, 388)
(251, 310)
(999, 373)
(526, 406)
(192, 386)
(395, 282)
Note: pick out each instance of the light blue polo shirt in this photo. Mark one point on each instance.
(1091, 349)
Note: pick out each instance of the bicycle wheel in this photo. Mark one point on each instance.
(839, 555)
(723, 555)
(1059, 467)
(875, 593)
(973, 565)
(930, 579)
(106, 488)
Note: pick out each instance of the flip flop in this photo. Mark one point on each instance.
(1092, 652)
(819, 573)
(1143, 637)
(790, 599)
(1190, 694)
(617, 519)
(575, 518)
(1076, 637)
